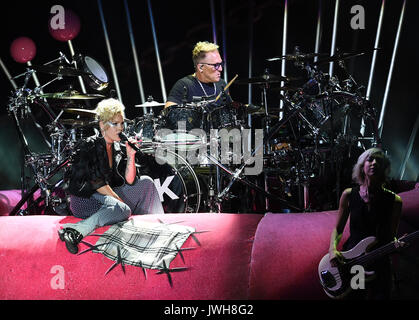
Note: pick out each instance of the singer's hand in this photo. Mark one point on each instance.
(131, 151)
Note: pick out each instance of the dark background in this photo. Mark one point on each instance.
(180, 24)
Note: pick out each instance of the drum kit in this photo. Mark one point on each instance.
(307, 136)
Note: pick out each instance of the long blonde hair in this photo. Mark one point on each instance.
(358, 170)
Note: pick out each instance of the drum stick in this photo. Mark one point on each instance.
(232, 80)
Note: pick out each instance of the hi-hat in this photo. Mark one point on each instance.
(81, 112)
(71, 94)
(60, 70)
(150, 104)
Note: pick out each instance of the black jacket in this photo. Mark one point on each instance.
(90, 167)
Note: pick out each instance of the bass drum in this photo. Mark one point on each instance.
(174, 178)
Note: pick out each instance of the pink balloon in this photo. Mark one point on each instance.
(64, 28)
(23, 49)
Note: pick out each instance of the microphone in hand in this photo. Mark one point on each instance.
(124, 138)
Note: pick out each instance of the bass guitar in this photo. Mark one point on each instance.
(336, 280)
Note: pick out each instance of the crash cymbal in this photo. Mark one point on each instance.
(81, 112)
(150, 104)
(264, 79)
(71, 94)
(59, 70)
(298, 56)
(78, 122)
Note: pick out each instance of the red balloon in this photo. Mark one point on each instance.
(23, 49)
(64, 24)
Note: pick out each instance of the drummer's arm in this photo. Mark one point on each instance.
(169, 103)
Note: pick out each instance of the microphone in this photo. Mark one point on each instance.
(124, 138)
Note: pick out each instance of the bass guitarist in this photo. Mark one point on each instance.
(373, 211)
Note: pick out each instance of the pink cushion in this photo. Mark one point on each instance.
(30, 250)
(287, 250)
(411, 207)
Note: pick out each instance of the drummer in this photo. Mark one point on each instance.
(205, 82)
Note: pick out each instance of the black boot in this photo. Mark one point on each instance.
(72, 238)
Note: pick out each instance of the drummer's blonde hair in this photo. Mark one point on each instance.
(201, 49)
(109, 108)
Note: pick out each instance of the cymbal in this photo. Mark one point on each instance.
(78, 122)
(71, 94)
(150, 104)
(272, 112)
(264, 79)
(342, 56)
(59, 70)
(82, 112)
(298, 56)
(285, 88)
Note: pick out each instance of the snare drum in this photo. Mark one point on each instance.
(181, 127)
(96, 76)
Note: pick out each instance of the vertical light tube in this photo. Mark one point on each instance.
(284, 52)
(223, 25)
(156, 47)
(318, 30)
(9, 77)
(250, 66)
(374, 57)
(390, 73)
(335, 28)
(409, 147)
(213, 22)
(108, 46)
(134, 52)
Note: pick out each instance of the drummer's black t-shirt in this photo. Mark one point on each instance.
(188, 87)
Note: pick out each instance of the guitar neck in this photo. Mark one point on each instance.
(383, 251)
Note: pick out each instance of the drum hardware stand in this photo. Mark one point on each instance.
(236, 175)
(214, 203)
(19, 103)
(42, 183)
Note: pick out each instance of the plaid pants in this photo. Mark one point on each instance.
(99, 210)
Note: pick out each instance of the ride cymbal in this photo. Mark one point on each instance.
(342, 56)
(298, 56)
(264, 79)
